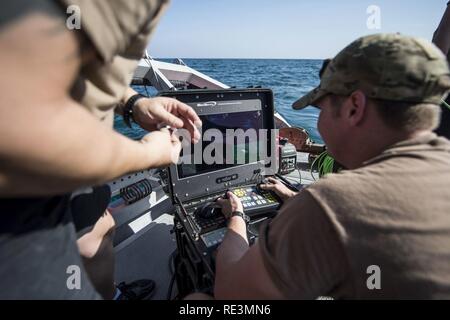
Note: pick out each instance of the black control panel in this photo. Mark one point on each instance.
(206, 219)
(210, 222)
(256, 201)
(194, 186)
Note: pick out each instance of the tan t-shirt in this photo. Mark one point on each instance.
(120, 32)
(393, 213)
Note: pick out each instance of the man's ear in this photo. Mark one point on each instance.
(356, 107)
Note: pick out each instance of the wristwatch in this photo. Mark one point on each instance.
(245, 217)
(128, 108)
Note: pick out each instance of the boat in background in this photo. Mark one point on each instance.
(165, 76)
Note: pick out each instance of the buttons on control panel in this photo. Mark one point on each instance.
(213, 238)
(251, 197)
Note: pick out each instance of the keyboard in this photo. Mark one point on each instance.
(256, 201)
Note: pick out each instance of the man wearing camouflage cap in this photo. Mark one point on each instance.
(380, 229)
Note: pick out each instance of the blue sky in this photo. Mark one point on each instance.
(284, 28)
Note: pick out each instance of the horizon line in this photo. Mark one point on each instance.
(215, 58)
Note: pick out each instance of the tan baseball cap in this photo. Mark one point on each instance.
(387, 67)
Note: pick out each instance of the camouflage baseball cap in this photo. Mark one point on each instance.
(387, 67)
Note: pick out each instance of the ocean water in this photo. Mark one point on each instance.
(288, 79)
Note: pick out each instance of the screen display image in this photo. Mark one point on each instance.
(244, 150)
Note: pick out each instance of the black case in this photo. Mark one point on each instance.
(220, 181)
(194, 262)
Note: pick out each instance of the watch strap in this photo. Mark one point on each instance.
(242, 215)
(128, 108)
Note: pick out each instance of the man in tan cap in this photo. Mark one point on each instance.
(380, 229)
(59, 91)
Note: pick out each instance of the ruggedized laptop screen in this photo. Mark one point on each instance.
(230, 136)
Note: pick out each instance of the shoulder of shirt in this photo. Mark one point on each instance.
(344, 178)
(346, 188)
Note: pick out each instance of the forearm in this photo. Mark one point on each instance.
(290, 195)
(48, 143)
(233, 247)
(57, 148)
(235, 242)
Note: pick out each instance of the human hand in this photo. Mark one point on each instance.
(164, 147)
(279, 188)
(151, 112)
(230, 205)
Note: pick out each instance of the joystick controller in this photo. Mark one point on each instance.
(208, 211)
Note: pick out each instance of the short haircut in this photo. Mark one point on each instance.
(400, 115)
(408, 116)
